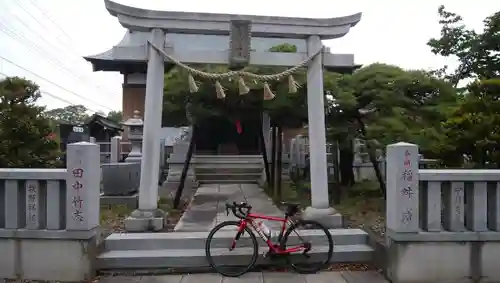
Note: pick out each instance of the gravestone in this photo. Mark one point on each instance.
(175, 165)
(120, 179)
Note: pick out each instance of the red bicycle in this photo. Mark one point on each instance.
(249, 222)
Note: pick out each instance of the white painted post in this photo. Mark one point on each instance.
(317, 135)
(115, 148)
(148, 189)
(402, 188)
(82, 186)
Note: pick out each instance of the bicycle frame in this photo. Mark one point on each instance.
(274, 248)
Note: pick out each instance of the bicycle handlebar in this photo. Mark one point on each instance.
(240, 210)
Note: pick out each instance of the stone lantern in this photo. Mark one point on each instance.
(136, 126)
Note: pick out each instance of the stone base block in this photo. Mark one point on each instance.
(428, 262)
(129, 201)
(143, 221)
(327, 217)
(447, 257)
(489, 262)
(48, 260)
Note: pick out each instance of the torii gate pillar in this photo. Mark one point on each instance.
(320, 209)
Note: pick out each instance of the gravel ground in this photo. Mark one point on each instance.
(365, 213)
(112, 217)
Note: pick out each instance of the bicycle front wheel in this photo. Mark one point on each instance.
(229, 252)
(319, 239)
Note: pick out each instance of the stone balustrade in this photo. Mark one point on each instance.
(443, 225)
(49, 218)
(444, 200)
(33, 199)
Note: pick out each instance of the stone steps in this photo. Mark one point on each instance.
(195, 258)
(227, 177)
(228, 168)
(233, 168)
(187, 249)
(196, 240)
(227, 158)
(228, 181)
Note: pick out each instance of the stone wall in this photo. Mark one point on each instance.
(443, 225)
(49, 219)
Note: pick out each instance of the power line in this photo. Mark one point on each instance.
(52, 58)
(33, 46)
(64, 100)
(51, 82)
(34, 3)
(20, 39)
(55, 96)
(70, 47)
(16, 36)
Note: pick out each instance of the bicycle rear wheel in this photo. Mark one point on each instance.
(244, 253)
(320, 253)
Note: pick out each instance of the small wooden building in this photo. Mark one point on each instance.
(102, 128)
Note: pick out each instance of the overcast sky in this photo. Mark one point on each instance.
(49, 37)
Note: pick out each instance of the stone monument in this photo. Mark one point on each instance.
(135, 125)
(176, 164)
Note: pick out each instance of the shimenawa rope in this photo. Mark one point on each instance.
(239, 75)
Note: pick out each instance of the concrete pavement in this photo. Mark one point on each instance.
(256, 277)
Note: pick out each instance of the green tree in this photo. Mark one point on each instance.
(473, 128)
(73, 114)
(25, 134)
(477, 52)
(116, 116)
(470, 129)
(383, 104)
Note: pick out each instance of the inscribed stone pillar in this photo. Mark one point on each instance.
(32, 204)
(402, 188)
(83, 183)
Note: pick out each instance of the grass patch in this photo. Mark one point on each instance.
(112, 217)
(294, 192)
(362, 204)
(364, 207)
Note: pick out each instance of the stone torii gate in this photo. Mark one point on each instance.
(225, 39)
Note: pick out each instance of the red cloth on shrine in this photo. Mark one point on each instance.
(238, 127)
